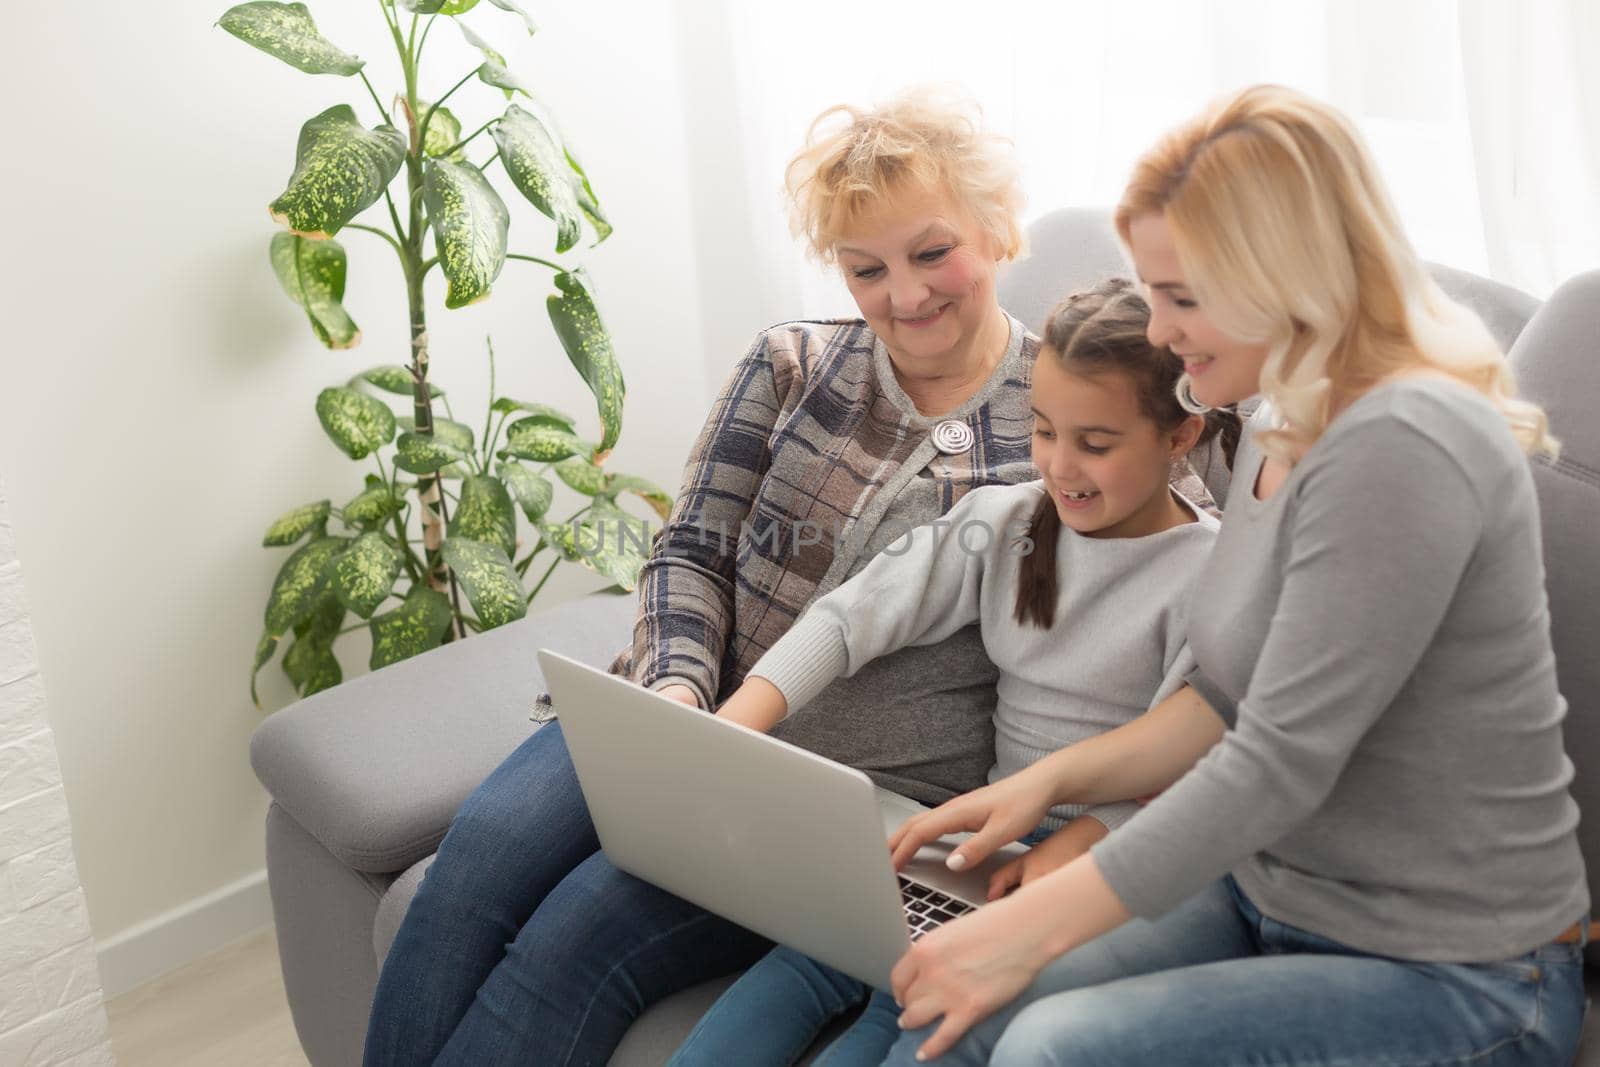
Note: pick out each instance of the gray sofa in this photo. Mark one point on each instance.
(366, 777)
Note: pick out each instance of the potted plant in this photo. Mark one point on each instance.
(438, 523)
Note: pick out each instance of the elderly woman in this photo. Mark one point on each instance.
(830, 439)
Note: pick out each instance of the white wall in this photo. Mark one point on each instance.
(159, 387)
(50, 1003)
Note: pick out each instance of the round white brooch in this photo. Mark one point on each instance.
(952, 437)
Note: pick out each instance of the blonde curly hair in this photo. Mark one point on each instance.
(926, 140)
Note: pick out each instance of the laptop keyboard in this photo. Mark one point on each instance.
(927, 909)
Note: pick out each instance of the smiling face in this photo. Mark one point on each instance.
(922, 272)
(1222, 369)
(1104, 462)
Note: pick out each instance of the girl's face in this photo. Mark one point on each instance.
(1104, 462)
(922, 272)
(1222, 369)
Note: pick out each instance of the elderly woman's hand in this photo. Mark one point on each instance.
(967, 969)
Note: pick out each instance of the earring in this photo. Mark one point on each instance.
(1186, 399)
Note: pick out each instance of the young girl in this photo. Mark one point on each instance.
(1074, 582)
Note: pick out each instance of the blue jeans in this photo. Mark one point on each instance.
(1217, 982)
(524, 945)
(773, 1013)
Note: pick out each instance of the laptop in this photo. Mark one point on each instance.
(777, 839)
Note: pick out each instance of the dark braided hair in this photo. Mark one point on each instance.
(1091, 332)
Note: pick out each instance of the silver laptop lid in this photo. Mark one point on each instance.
(777, 839)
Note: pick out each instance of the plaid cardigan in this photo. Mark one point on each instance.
(784, 489)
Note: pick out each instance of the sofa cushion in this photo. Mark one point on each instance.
(376, 768)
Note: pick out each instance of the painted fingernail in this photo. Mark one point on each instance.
(956, 861)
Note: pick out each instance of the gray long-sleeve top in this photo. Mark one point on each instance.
(1395, 779)
(1118, 628)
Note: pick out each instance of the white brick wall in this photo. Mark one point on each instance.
(51, 1010)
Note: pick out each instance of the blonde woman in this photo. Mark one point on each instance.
(829, 441)
(1377, 862)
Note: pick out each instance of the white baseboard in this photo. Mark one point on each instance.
(184, 934)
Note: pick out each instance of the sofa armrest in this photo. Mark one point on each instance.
(376, 768)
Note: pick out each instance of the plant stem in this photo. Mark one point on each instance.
(381, 109)
(486, 164)
(435, 106)
(553, 565)
(429, 265)
(536, 259)
(488, 414)
(463, 142)
(370, 229)
(394, 216)
(495, 438)
(425, 30)
(413, 570)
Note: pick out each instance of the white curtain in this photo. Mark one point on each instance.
(1533, 88)
(1083, 87)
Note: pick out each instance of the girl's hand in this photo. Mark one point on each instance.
(996, 814)
(757, 704)
(1053, 853)
(681, 693)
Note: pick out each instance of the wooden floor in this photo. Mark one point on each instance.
(228, 1008)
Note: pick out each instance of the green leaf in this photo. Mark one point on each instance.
(264, 649)
(583, 335)
(493, 71)
(505, 406)
(365, 572)
(415, 626)
(420, 7)
(312, 273)
(469, 223)
(289, 527)
(310, 662)
(490, 582)
(659, 499)
(458, 435)
(581, 475)
(373, 506)
(534, 438)
(457, 7)
(601, 548)
(538, 167)
(358, 423)
(632, 534)
(509, 5)
(486, 514)
(418, 454)
(393, 378)
(287, 31)
(531, 492)
(341, 168)
(301, 580)
(588, 203)
(444, 130)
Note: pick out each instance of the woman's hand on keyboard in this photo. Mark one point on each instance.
(996, 815)
(1054, 852)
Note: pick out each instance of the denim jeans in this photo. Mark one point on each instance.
(1217, 982)
(524, 945)
(776, 1010)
